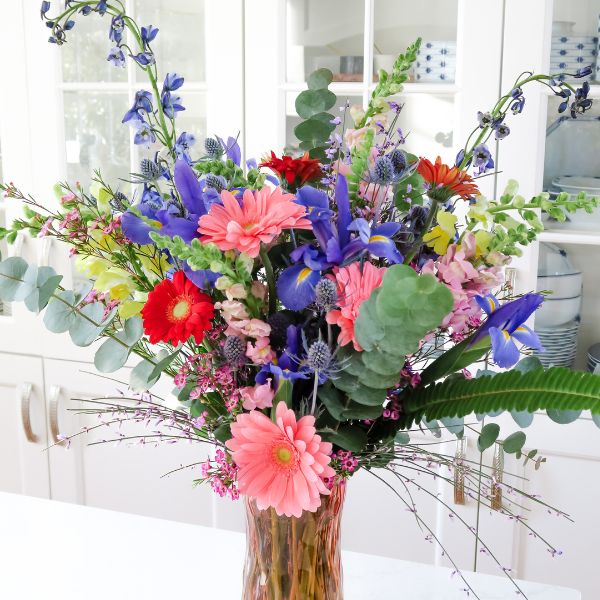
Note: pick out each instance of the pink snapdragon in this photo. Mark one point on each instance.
(257, 396)
(260, 353)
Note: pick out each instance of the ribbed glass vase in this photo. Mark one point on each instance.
(289, 558)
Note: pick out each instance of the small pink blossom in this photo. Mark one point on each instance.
(260, 353)
(45, 228)
(258, 396)
(259, 290)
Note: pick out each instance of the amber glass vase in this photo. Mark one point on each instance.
(289, 558)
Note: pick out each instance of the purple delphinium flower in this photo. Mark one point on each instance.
(117, 26)
(44, 9)
(144, 59)
(184, 142)
(581, 102)
(144, 134)
(142, 105)
(116, 57)
(148, 34)
(171, 104)
(482, 159)
(502, 131)
(505, 324)
(172, 82)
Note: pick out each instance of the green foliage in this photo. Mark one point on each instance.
(360, 161)
(514, 443)
(312, 106)
(459, 357)
(409, 192)
(391, 83)
(552, 389)
(112, 355)
(12, 273)
(145, 374)
(233, 174)
(348, 437)
(390, 325)
(488, 436)
(207, 256)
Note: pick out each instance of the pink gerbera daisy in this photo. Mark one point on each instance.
(260, 217)
(282, 464)
(354, 285)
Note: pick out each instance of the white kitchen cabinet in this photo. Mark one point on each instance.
(123, 475)
(23, 459)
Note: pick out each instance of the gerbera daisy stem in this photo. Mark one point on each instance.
(417, 243)
(264, 256)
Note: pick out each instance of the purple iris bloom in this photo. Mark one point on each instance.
(189, 188)
(148, 34)
(375, 240)
(296, 284)
(172, 82)
(232, 149)
(171, 104)
(288, 366)
(505, 324)
(116, 57)
(142, 105)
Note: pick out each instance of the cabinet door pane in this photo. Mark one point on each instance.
(24, 464)
(180, 43)
(84, 55)
(325, 35)
(398, 24)
(95, 138)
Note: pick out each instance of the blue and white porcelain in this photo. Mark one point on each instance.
(436, 62)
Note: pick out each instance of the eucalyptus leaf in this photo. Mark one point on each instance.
(163, 363)
(514, 442)
(563, 417)
(522, 418)
(488, 436)
(87, 324)
(60, 315)
(12, 272)
(111, 356)
(47, 282)
(596, 419)
(312, 102)
(402, 438)
(319, 79)
(140, 379)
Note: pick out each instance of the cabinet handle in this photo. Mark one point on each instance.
(44, 252)
(26, 389)
(53, 398)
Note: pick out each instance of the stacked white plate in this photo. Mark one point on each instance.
(572, 52)
(436, 62)
(593, 357)
(560, 344)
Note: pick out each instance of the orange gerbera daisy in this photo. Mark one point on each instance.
(177, 310)
(446, 182)
(259, 218)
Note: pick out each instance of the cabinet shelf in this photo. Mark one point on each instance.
(570, 236)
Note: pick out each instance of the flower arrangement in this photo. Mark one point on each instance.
(310, 310)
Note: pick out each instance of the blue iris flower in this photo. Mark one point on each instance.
(232, 149)
(505, 324)
(287, 367)
(148, 34)
(375, 240)
(296, 284)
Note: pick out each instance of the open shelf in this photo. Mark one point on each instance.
(570, 236)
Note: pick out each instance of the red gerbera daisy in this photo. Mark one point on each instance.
(177, 310)
(446, 181)
(294, 171)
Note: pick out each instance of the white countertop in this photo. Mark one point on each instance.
(50, 550)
